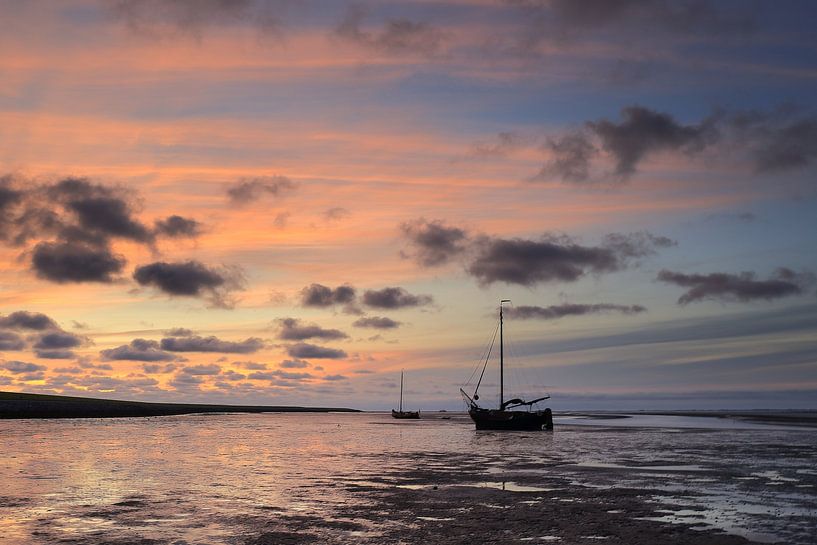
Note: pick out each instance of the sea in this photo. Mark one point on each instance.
(367, 478)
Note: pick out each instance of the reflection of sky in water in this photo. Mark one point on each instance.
(216, 477)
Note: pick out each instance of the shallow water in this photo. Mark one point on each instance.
(224, 478)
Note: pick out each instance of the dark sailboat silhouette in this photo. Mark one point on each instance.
(401, 413)
(503, 418)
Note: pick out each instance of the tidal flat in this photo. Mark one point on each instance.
(263, 479)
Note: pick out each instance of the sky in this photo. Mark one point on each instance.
(289, 202)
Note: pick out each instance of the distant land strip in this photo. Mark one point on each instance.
(21, 405)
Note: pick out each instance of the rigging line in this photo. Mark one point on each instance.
(479, 361)
(486, 353)
(486, 360)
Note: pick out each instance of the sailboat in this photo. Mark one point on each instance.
(503, 418)
(401, 413)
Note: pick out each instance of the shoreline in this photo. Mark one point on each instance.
(14, 405)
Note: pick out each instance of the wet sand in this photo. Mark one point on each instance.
(246, 480)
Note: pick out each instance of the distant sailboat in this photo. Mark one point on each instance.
(401, 413)
(503, 418)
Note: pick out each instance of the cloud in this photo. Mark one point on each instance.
(394, 298)
(292, 330)
(170, 17)
(523, 261)
(335, 214)
(56, 340)
(251, 189)
(211, 344)
(290, 375)
(333, 378)
(572, 155)
(642, 132)
(777, 141)
(155, 368)
(398, 36)
(64, 262)
(72, 224)
(503, 144)
(252, 365)
(201, 370)
(179, 332)
(54, 354)
(434, 243)
(377, 322)
(11, 341)
(318, 295)
(555, 312)
(138, 350)
(293, 364)
(305, 350)
(22, 319)
(177, 227)
(19, 367)
(191, 279)
(556, 258)
(743, 287)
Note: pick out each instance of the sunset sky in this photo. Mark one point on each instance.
(288, 202)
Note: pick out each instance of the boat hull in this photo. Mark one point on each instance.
(490, 419)
(410, 415)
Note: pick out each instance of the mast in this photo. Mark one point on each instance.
(401, 390)
(501, 357)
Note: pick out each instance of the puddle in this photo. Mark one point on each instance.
(512, 487)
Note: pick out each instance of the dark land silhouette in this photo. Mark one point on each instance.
(21, 405)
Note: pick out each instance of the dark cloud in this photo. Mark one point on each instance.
(555, 312)
(64, 262)
(11, 341)
(177, 227)
(261, 375)
(232, 375)
(776, 141)
(290, 375)
(138, 350)
(377, 322)
(643, 131)
(251, 189)
(333, 378)
(291, 329)
(743, 287)
(57, 340)
(305, 350)
(54, 354)
(252, 365)
(73, 223)
(169, 17)
(201, 370)
(293, 364)
(19, 367)
(394, 298)
(211, 344)
(781, 140)
(155, 368)
(109, 216)
(434, 243)
(631, 24)
(318, 295)
(398, 36)
(556, 259)
(191, 279)
(22, 319)
(572, 156)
